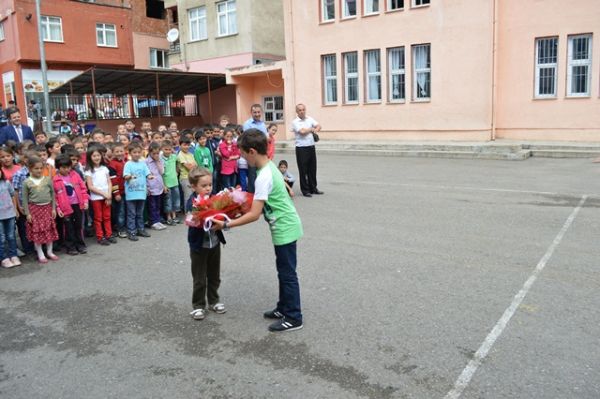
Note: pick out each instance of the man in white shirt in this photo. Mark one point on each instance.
(306, 156)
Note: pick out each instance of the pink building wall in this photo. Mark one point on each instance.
(142, 43)
(223, 103)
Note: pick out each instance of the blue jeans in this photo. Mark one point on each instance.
(7, 235)
(289, 288)
(172, 200)
(228, 180)
(244, 179)
(135, 216)
(118, 214)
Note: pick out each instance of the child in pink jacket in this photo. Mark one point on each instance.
(71, 200)
(229, 156)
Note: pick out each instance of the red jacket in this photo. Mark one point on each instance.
(118, 184)
(62, 199)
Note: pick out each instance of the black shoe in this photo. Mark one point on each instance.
(82, 250)
(143, 233)
(112, 240)
(104, 242)
(72, 251)
(285, 325)
(273, 314)
(307, 194)
(133, 237)
(318, 192)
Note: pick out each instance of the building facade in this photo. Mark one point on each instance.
(442, 69)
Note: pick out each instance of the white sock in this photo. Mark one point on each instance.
(40, 252)
(49, 249)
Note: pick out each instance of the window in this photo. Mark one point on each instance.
(397, 75)
(197, 17)
(52, 29)
(349, 8)
(155, 9)
(329, 79)
(273, 106)
(159, 58)
(373, 78)
(371, 7)
(580, 65)
(395, 5)
(226, 18)
(351, 78)
(327, 10)
(106, 35)
(421, 55)
(1, 31)
(546, 56)
(419, 3)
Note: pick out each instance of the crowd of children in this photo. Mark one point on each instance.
(55, 191)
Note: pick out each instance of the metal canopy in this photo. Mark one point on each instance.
(142, 82)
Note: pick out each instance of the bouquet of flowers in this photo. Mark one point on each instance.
(228, 204)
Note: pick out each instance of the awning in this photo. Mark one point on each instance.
(141, 82)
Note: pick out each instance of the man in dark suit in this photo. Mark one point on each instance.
(15, 130)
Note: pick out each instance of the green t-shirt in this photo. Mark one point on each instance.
(203, 157)
(279, 210)
(170, 174)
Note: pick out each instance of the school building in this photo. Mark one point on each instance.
(435, 69)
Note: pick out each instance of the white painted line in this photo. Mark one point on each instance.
(467, 374)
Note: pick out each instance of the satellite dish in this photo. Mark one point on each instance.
(172, 35)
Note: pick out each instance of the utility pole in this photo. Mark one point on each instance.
(44, 67)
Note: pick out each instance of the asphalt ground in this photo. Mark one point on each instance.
(408, 271)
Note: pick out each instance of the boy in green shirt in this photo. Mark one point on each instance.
(271, 199)
(202, 154)
(172, 200)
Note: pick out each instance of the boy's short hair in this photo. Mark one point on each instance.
(167, 144)
(24, 145)
(115, 144)
(40, 133)
(33, 160)
(199, 133)
(154, 146)
(157, 133)
(39, 148)
(63, 160)
(72, 154)
(66, 148)
(185, 140)
(135, 145)
(283, 162)
(253, 138)
(196, 173)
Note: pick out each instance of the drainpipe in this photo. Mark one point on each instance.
(494, 69)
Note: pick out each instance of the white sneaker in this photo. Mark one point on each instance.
(198, 314)
(158, 226)
(7, 263)
(15, 261)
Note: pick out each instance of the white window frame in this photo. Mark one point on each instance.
(270, 108)
(420, 3)
(197, 16)
(418, 71)
(329, 79)
(579, 63)
(46, 21)
(345, 10)
(154, 52)
(372, 74)
(369, 4)
(324, 11)
(390, 3)
(1, 31)
(396, 72)
(544, 66)
(230, 9)
(104, 27)
(350, 75)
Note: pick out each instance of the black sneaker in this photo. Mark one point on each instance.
(103, 242)
(143, 233)
(82, 250)
(285, 325)
(133, 237)
(122, 234)
(273, 314)
(112, 240)
(72, 251)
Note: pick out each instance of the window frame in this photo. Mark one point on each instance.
(388, 6)
(45, 21)
(226, 13)
(393, 72)
(275, 110)
(329, 78)
(324, 11)
(365, 5)
(368, 75)
(415, 73)
(413, 3)
(352, 75)
(165, 58)
(539, 66)
(344, 7)
(104, 30)
(197, 19)
(576, 63)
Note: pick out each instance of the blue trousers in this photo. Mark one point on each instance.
(135, 216)
(289, 288)
(7, 236)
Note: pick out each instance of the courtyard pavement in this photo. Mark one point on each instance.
(420, 278)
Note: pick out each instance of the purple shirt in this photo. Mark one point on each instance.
(156, 185)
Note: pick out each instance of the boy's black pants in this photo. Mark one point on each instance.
(206, 272)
